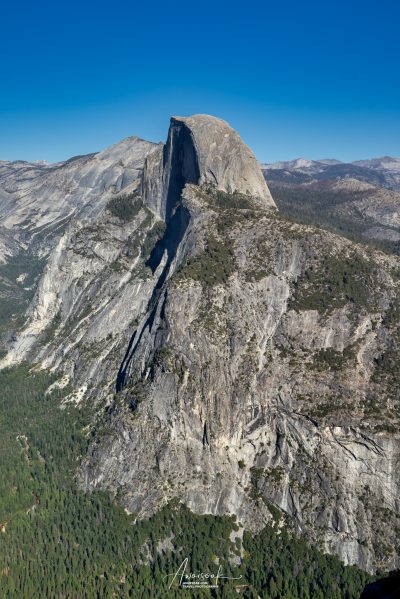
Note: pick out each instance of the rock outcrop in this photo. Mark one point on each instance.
(249, 387)
(38, 200)
(223, 159)
(202, 150)
(237, 360)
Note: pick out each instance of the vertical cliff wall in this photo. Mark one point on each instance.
(203, 150)
(238, 397)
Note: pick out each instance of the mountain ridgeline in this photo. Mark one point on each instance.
(226, 356)
(360, 201)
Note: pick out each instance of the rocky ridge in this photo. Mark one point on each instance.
(383, 172)
(239, 361)
(348, 206)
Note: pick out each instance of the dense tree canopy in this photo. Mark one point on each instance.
(59, 542)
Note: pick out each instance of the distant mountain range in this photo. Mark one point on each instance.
(360, 200)
(383, 172)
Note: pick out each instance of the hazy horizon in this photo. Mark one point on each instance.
(285, 159)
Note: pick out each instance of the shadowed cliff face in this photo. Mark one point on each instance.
(258, 384)
(167, 246)
(386, 588)
(255, 359)
(202, 150)
(180, 168)
(197, 148)
(180, 165)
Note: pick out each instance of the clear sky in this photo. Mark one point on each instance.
(296, 78)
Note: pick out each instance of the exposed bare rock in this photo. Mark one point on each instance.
(223, 159)
(201, 149)
(238, 360)
(37, 201)
(244, 391)
(152, 180)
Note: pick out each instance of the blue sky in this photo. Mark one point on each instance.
(314, 79)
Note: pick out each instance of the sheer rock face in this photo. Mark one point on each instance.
(203, 150)
(238, 396)
(223, 159)
(152, 181)
(252, 367)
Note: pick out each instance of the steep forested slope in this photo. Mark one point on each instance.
(57, 541)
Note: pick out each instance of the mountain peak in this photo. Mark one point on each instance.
(223, 158)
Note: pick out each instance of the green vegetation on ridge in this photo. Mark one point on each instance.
(212, 266)
(18, 279)
(125, 207)
(336, 281)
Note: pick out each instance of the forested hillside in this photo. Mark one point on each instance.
(57, 541)
(356, 210)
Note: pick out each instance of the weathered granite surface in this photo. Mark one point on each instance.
(223, 159)
(238, 360)
(234, 398)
